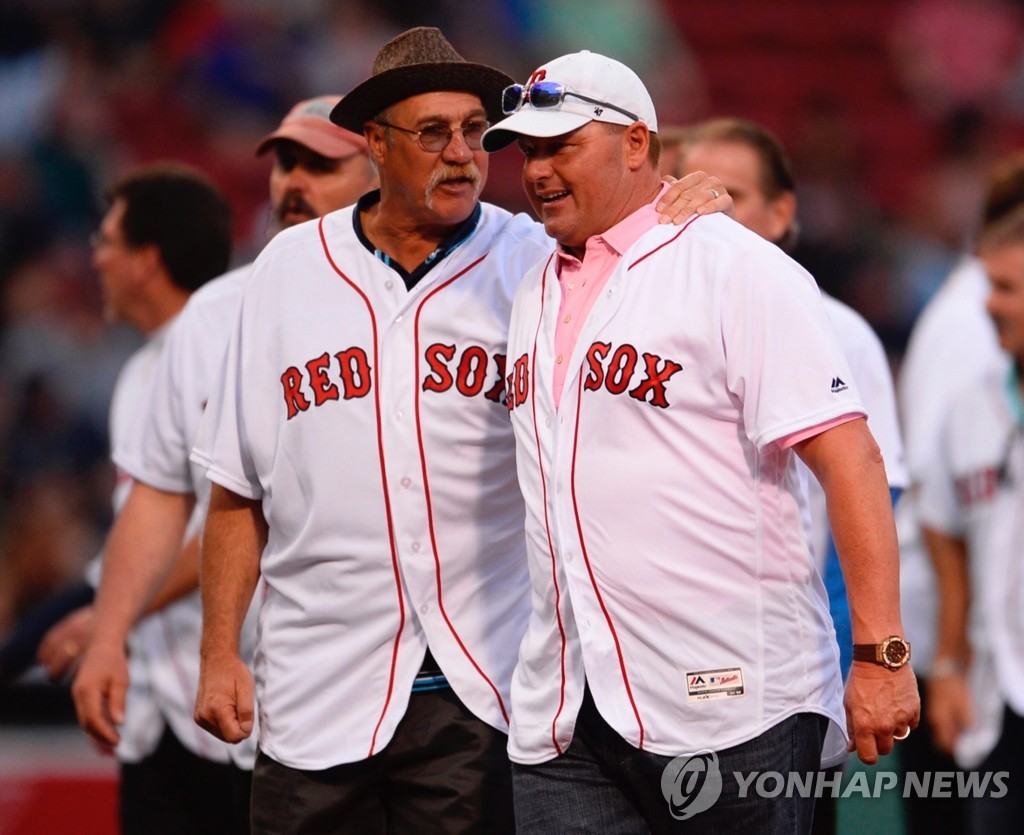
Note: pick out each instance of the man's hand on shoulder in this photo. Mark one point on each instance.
(696, 193)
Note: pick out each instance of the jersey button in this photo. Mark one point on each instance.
(398, 415)
(388, 285)
(424, 609)
(406, 482)
(398, 320)
(416, 547)
(558, 359)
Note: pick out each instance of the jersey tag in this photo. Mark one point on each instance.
(703, 685)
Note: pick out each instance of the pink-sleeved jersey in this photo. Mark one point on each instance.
(669, 563)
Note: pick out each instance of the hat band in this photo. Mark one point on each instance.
(548, 95)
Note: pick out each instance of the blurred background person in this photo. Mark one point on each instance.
(753, 165)
(969, 504)
(935, 367)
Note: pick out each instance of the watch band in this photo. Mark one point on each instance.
(866, 652)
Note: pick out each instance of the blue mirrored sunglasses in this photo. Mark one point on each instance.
(547, 94)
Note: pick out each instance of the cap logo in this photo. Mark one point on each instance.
(319, 107)
(598, 111)
(538, 75)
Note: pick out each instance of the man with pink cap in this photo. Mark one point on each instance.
(318, 167)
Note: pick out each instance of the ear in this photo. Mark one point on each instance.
(637, 142)
(377, 141)
(783, 210)
(147, 263)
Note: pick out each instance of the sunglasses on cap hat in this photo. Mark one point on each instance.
(547, 95)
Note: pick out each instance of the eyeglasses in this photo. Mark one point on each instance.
(98, 239)
(547, 94)
(435, 138)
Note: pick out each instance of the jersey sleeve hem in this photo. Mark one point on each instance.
(224, 479)
(853, 409)
(138, 472)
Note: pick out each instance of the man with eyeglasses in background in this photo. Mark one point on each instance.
(317, 168)
(364, 468)
(166, 233)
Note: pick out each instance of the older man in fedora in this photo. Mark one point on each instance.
(364, 466)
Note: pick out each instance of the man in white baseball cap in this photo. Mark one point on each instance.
(569, 92)
(665, 382)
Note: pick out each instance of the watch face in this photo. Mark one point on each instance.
(894, 653)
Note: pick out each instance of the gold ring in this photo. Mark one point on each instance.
(901, 737)
(71, 648)
(717, 195)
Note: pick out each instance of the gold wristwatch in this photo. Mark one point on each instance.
(892, 653)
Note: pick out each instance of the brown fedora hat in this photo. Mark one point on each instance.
(419, 60)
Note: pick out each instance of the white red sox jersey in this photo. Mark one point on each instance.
(669, 562)
(141, 729)
(155, 451)
(953, 342)
(370, 421)
(870, 369)
(974, 491)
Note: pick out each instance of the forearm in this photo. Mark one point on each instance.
(849, 466)
(183, 579)
(949, 557)
(141, 550)
(233, 540)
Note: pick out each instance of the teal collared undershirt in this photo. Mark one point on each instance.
(452, 242)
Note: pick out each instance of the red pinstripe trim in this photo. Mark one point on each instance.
(671, 240)
(426, 489)
(547, 522)
(590, 570)
(579, 523)
(384, 479)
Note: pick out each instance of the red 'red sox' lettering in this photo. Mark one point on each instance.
(518, 383)
(468, 375)
(616, 372)
(353, 376)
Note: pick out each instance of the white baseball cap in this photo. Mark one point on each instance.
(571, 91)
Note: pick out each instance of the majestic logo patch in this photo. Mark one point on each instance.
(704, 685)
(838, 385)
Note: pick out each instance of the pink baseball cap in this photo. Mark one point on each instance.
(309, 123)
